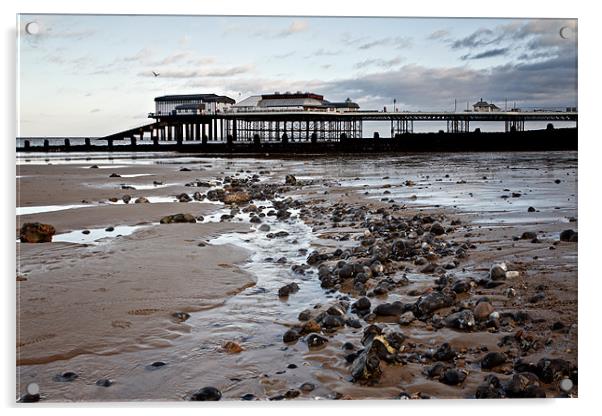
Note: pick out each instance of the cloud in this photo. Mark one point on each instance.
(325, 52)
(95, 110)
(296, 26)
(490, 53)
(396, 42)
(439, 34)
(200, 73)
(383, 63)
(549, 83)
(284, 55)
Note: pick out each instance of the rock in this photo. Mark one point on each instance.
(493, 359)
(291, 335)
(490, 389)
(110, 229)
(389, 309)
(65, 377)
(181, 316)
(291, 394)
(553, 369)
(290, 180)
(445, 353)
(407, 318)
(427, 304)
(126, 199)
(437, 229)
(114, 175)
(304, 315)
(206, 394)
(104, 382)
(94, 167)
(461, 286)
(315, 341)
(141, 200)
(512, 274)
(184, 197)
(568, 235)
(184, 170)
(36, 232)
(566, 385)
(232, 347)
(528, 235)
(264, 227)
(498, 271)
(310, 326)
(332, 322)
(286, 290)
(30, 398)
(156, 365)
(530, 209)
(452, 377)
(362, 304)
(236, 198)
(307, 387)
(248, 397)
(523, 385)
(482, 311)
(346, 271)
(461, 320)
(178, 218)
(377, 347)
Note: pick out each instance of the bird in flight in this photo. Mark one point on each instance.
(155, 73)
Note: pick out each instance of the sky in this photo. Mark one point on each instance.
(92, 75)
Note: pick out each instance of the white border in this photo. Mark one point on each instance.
(589, 187)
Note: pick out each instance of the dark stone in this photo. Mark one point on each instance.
(463, 320)
(390, 309)
(445, 353)
(353, 323)
(156, 365)
(528, 235)
(248, 397)
(569, 236)
(206, 394)
(114, 175)
(437, 229)
(346, 271)
(553, 369)
(290, 180)
(286, 290)
(452, 377)
(427, 304)
(331, 322)
(110, 229)
(521, 385)
(531, 209)
(490, 389)
(291, 394)
(291, 335)
(362, 304)
(30, 398)
(304, 315)
(493, 359)
(178, 218)
(461, 286)
(181, 316)
(35, 232)
(315, 341)
(104, 382)
(65, 377)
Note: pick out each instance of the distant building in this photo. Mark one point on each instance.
(192, 104)
(298, 101)
(484, 106)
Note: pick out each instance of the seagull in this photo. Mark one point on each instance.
(155, 73)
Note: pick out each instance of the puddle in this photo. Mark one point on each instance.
(95, 235)
(48, 208)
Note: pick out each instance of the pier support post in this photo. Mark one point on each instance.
(26, 144)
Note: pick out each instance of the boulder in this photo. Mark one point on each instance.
(178, 218)
(184, 197)
(141, 200)
(463, 320)
(498, 271)
(290, 180)
(427, 304)
(389, 309)
(36, 232)
(240, 197)
(493, 359)
(206, 394)
(568, 235)
(482, 311)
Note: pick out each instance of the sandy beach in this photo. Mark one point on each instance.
(345, 230)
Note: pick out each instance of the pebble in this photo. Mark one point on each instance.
(482, 311)
(315, 341)
(206, 394)
(65, 377)
(104, 382)
(566, 385)
(232, 347)
(498, 271)
(493, 359)
(307, 387)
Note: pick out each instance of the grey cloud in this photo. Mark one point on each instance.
(490, 53)
(396, 42)
(383, 63)
(296, 26)
(438, 34)
(480, 37)
(325, 52)
(550, 83)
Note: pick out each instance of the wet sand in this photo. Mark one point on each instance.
(105, 310)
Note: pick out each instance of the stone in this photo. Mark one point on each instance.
(427, 304)
(264, 227)
(290, 180)
(566, 385)
(407, 318)
(141, 200)
(104, 382)
(332, 322)
(315, 341)
(528, 235)
(232, 347)
(291, 335)
(377, 347)
(248, 397)
(569, 236)
(240, 197)
(286, 290)
(304, 315)
(452, 377)
(553, 369)
(523, 385)
(362, 304)
(181, 316)
(530, 209)
(463, 320)
(156, 365)
(498, 271)
(389, 309)
(437, 229)
(482, 311)
(490, 389)
(291, 394)
(178, 218)
(310, 326)
(65, 377)
(445, 353)
(493, 359)
(114, 175)
(206, 394)
(461, 286)
(36, 232)
(126, 199)
(184, 197)
(307, 387)
(110, 229)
